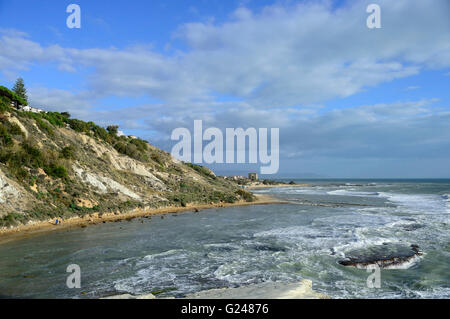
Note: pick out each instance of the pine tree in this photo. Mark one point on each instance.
(20, 90)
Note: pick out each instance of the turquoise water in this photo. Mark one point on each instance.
(236, 246)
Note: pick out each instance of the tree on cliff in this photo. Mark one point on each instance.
(20, 90)
(113, 129)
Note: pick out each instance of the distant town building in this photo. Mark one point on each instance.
(253, 176)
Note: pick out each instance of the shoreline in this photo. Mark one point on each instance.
(43, 227)
(257, 186)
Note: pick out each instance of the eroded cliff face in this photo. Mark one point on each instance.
(52, 170)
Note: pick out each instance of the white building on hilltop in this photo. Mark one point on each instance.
(27, 108)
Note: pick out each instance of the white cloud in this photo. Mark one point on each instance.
(282, 56)
(78, 104)
(416, 129)
(269, 62)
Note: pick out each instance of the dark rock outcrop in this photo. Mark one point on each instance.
(384, 256)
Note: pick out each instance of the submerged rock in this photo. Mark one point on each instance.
(267, 247)
(385, 256)
(412, 227)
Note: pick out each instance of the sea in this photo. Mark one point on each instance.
(307, 237)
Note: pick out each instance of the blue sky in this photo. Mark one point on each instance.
(349, 101)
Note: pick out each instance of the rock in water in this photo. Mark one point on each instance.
(412, 227)
(266, 290)
(385, 256)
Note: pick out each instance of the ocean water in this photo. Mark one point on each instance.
(231, 247)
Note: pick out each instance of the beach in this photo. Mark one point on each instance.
(41, 227)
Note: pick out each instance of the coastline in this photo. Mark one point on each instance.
(258, 186)
(42, 227)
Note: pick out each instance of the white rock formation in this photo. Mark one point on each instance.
(267, 290)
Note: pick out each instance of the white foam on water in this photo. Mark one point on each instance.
(222, 246)
(159, 255)
(344, 192)
(425, 203)
(361, 243)
(446, 199)
(172, 268)
(407, 264)
(294, 190)
(433, 293)
(142, 281)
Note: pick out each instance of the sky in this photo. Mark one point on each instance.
(349, 101)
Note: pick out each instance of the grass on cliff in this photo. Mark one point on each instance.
(133, 147)
(58, 192)
(22, 157)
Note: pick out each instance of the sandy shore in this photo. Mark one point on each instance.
(257, 186)
(34, 228)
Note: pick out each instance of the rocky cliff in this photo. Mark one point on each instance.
(54, 166)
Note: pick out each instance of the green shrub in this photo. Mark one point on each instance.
(113, 129)
(45, 127)
(39, 118)
(29, 156)
(11, 219)
(14, 129)
(130, 149)
(157, 158)
(247, 196)
(5, 138)
(4, 104)
(56, 171)
(202, 170)
(12, 96)
(68, 152)
(99, 132)
(78, 125)
(54, 118)
(140, 144)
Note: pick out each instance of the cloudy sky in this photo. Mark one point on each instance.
(349, 101)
